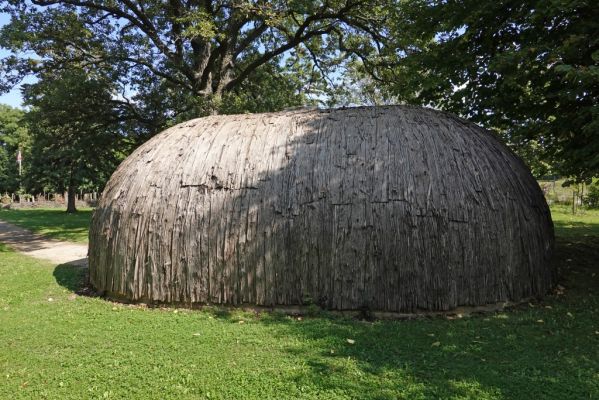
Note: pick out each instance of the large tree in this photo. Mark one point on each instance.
(76, 130)
(203, 50)
(162, 62)
(528, 69)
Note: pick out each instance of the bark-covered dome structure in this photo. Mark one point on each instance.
(387, 208)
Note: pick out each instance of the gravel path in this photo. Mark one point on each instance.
(38, 246)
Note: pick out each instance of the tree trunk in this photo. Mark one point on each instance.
(71, 200)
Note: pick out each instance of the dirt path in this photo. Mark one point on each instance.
(38, 246)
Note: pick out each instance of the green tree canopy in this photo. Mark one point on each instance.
(528, 69)
(13, 136)
(76, 131)
(191, 54)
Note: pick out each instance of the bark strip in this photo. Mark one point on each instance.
(392, 209)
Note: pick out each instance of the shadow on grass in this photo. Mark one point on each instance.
(576, 229)
(478, 358)
(72, 276)
(545, 350)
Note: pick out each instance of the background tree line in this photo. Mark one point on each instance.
(111, 74)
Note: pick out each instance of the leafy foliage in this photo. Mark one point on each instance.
(592, 197)
(13, 136)
(181, 52)
(528, 69)
(74, 124)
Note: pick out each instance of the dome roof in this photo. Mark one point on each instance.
(387, 208)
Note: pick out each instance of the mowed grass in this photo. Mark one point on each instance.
(55, 344)
(52, 222)
(585, 223)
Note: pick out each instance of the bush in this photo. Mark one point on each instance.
(592, 198)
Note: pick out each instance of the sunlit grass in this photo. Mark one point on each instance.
(582, 224)
(52, 222)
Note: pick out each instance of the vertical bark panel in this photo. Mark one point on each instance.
(389, 208)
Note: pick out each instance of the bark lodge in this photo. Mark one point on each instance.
(388, 208)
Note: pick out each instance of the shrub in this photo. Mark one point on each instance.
(592, 197)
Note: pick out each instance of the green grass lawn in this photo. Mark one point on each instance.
(567, 225)
(55, 344)
(52, 222)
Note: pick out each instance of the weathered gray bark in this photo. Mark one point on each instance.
(389, 208)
